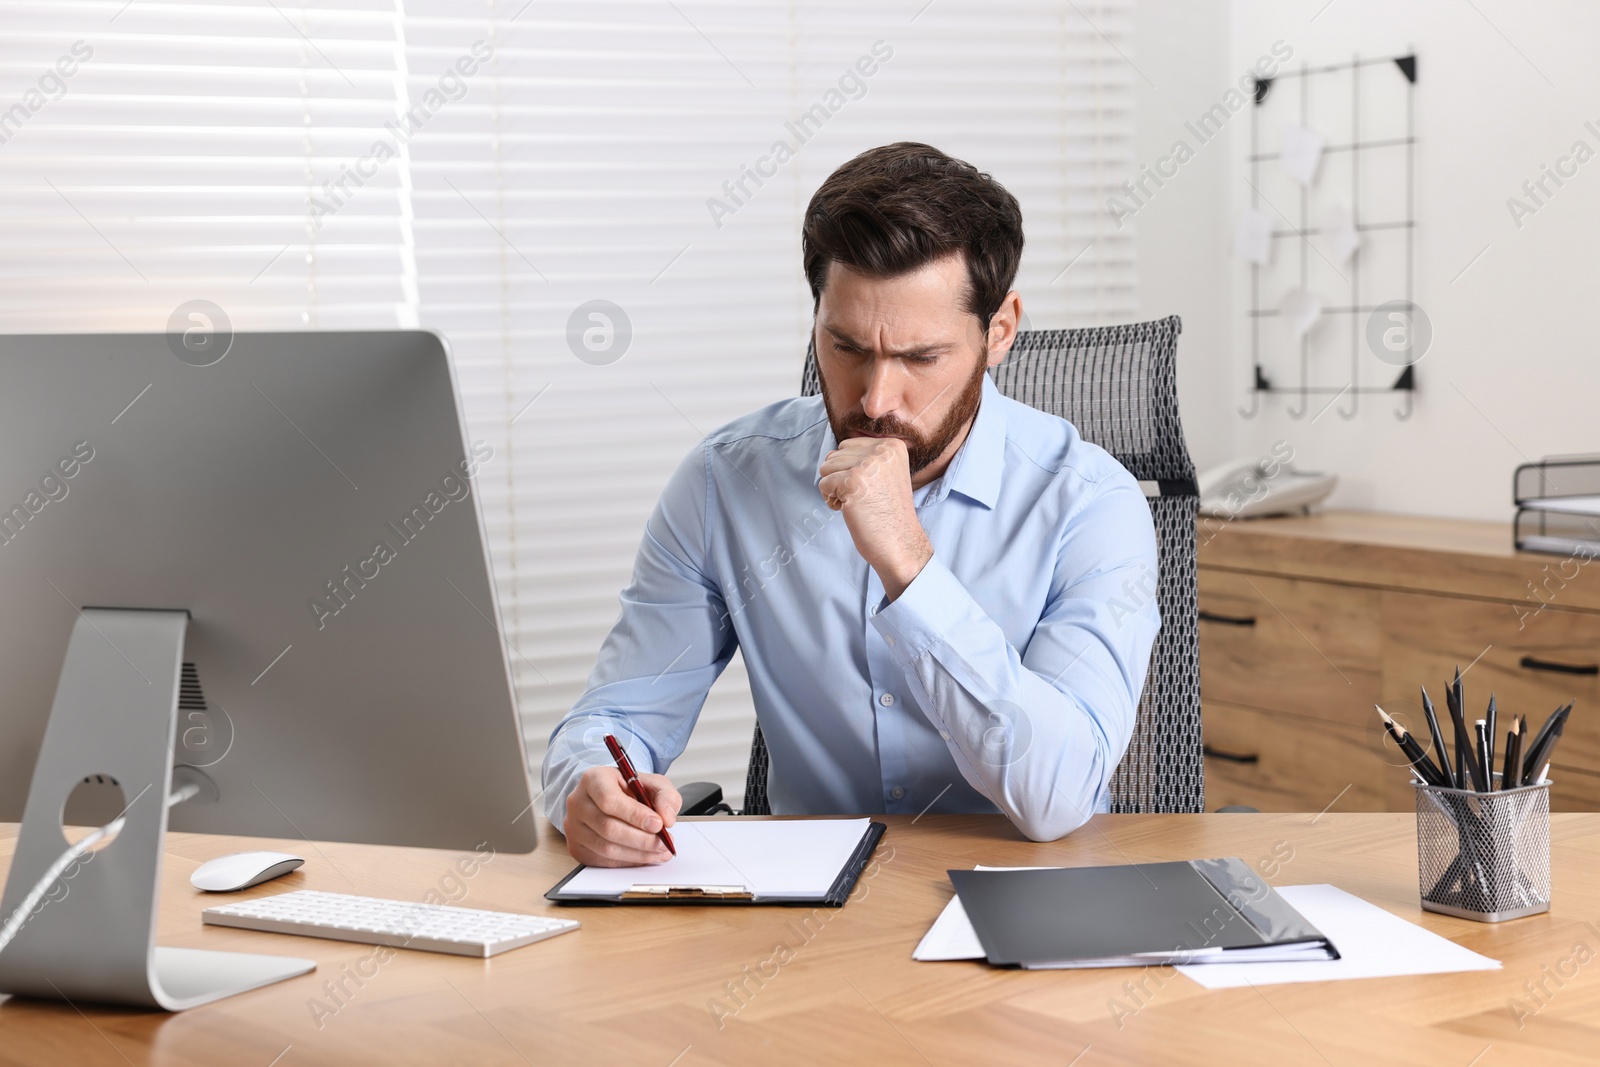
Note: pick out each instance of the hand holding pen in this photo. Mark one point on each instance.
(607, 825)
(630, 781)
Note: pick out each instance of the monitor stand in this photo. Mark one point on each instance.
(115, 714)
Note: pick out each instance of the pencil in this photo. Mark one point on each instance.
(1442, 753)
(1481, 728)
(1492, 721)
(1511, 768)
(1413, 751)
(1465, 756)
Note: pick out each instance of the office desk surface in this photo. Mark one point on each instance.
(684, 986)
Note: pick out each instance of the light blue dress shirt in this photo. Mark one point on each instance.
(1005, 678)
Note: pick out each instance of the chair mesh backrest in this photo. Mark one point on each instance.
(1118, 386)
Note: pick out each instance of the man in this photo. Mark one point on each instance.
(951, 645)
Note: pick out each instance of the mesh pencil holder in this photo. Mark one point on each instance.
(1484, 856)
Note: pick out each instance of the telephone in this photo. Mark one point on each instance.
(1252, 488)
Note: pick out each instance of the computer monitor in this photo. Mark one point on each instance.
(310, 502)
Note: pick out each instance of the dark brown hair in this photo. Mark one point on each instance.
(893, 209)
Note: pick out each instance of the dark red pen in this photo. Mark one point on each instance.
(636, 787)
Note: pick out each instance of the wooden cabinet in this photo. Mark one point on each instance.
(1284, 644)
(1279, 761)
(1306, 623)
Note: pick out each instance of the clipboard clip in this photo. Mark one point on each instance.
(687, 892)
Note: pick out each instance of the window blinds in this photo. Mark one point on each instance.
(597, 204)
(179, 159)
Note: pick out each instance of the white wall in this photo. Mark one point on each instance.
(1502, 88)
(1181, 50)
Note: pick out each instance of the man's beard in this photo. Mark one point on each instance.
(921, 449)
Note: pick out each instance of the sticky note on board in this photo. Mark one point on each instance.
(1252, 241)
(1302, 151)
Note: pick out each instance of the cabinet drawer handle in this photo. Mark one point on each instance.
(1231, 757)
(1227, 620)
(1531, 664)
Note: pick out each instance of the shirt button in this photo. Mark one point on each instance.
(887, 700)
(888, 640)
(897, 792)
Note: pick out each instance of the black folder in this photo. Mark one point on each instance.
(1199, 911)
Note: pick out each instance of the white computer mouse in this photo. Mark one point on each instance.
(242, 870)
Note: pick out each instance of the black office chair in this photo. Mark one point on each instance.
(1118, 386)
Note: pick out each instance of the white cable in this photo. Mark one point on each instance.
(67, 859)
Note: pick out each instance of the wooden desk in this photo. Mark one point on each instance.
(635, 984)
(1306, 623)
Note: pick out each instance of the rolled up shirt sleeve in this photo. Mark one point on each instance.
(1040, 732)
(657, 665)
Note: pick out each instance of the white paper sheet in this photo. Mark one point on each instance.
(951, 937)
(1302, 151)
(1252, 241)
(1300, 309)
(1339, 234)
(798, 857)
(1372, 943)
(1567, 505)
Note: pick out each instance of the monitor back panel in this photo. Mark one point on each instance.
(311, 500)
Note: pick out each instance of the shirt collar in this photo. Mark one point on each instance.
(975, 470)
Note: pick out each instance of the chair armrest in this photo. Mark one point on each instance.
(701, 798)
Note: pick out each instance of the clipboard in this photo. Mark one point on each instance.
(643, 889)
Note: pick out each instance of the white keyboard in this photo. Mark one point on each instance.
(398, 923)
